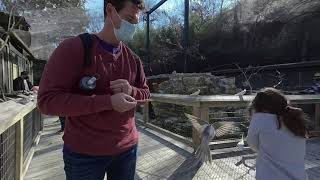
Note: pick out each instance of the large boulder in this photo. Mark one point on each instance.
(172, 118)
(192, 82)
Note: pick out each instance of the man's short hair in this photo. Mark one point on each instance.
(119, 4)
(24, 73)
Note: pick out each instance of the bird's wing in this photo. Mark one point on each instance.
(195, 119)
(224, 128)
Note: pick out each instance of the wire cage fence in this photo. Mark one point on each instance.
(172, 117)
(32, 125)
(7, 154)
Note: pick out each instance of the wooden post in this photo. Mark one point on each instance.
(196, 112)
(317, 116)
(203, 114)
(19, 150)
(146, 113)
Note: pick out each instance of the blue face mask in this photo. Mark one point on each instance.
(125, 32)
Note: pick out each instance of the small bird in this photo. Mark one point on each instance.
(207, 132)
(197, 93)
(243, 92)
(241, 144)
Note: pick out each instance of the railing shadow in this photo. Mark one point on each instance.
(187, 170)
(48, 150)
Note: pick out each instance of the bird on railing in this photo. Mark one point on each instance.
(241, 93)
(196, 93)
(207, 132)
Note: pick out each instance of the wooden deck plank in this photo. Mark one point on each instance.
(159, 157)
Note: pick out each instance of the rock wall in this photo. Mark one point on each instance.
(192, 82)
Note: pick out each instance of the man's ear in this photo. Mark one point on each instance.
(113, 15)
(116, 19)
(108, 9)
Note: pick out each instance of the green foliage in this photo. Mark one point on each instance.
(41, 4)
(230, 31)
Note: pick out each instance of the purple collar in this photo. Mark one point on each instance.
(108, 47)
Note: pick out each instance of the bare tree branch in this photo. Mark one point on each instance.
(245, 76)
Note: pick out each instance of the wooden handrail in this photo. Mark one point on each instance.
(201, 105)
(12, 112)
(12, 115)
(224, 100)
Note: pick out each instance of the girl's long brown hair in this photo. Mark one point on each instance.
(270, 100)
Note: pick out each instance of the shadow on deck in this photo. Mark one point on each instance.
(159, 157)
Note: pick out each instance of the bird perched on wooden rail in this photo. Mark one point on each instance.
(196, 93)
(241, 93)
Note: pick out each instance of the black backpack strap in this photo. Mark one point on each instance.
(87, 45)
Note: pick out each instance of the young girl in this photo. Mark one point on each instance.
(277, 133)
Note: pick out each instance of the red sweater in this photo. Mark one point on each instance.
(92, 127)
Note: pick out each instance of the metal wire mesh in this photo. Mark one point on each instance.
(7, 154)
(32, 126)
(27, 136)
(37, 125)
(231, 122)
(171, 117)
(1, 65)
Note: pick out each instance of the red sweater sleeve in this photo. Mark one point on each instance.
(141, 91)
(60, 75)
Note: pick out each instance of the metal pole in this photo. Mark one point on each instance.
(156, 6)
(148, 30)
(186, 33)
(148, 41)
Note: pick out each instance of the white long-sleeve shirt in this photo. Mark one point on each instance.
(280, 153)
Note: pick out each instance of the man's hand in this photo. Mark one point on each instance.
(35, 89)
(121, 86)
(122, 102)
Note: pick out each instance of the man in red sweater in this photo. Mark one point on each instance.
(100, 133)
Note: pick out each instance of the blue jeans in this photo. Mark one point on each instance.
(86, 167)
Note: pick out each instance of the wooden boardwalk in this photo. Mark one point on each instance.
(159, 157)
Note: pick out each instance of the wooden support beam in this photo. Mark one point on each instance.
(28, 160)
(203, 114)
(195, 131)
(19, 150)
(146, 110)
